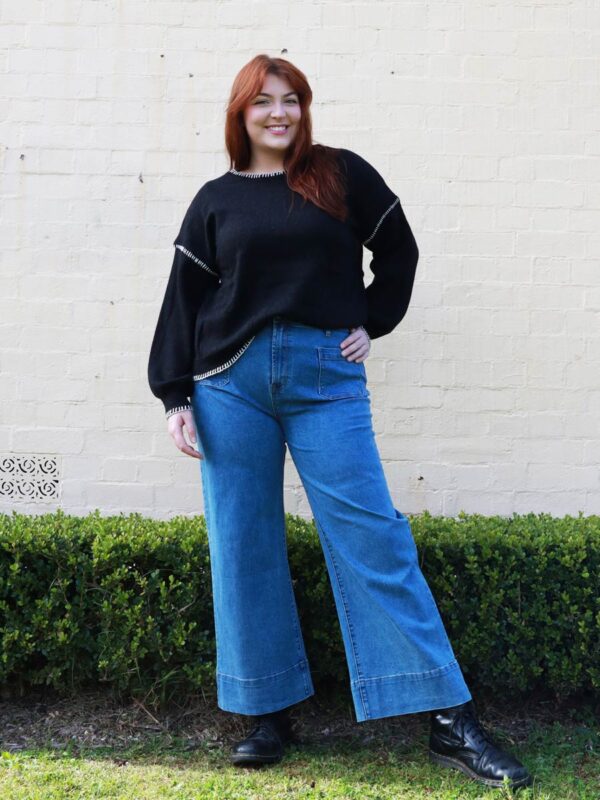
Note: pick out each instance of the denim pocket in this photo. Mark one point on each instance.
(217, 379)
(339, 377)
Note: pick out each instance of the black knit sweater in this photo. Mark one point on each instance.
(250, 249)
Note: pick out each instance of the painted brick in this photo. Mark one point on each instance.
(478, 117)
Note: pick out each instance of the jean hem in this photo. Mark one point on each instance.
(264, 695)
(409, 693)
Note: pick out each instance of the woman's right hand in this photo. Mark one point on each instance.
(176, 423)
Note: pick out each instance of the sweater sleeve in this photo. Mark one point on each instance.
(383, 229)
(192, 282)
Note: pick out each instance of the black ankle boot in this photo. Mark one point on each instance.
(458, 741)
(266, 741)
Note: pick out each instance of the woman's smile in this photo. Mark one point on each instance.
(278, 130)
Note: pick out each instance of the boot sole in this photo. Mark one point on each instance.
(248, 758)
(454, 763)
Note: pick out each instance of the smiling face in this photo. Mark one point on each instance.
(271, 120)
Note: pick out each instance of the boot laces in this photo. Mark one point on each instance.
(265, 727)
(479, 735)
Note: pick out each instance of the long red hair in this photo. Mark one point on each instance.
(312, 170)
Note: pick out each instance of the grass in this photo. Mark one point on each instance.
(378, 760)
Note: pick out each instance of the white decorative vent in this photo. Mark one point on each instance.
(29, 477)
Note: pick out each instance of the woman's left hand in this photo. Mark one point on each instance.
(356, 346)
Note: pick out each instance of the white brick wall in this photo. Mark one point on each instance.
(483, 118)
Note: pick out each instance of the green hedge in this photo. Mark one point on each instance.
(126, 601)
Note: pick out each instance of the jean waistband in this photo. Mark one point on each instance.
(285, 321)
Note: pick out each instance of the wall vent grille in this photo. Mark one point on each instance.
(29, 478)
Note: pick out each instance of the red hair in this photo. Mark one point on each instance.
(312, 170)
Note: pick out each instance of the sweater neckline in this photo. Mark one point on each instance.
(257, 174)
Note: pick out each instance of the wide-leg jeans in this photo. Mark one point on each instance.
(292, 386)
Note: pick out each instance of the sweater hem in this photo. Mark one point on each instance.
(227, 363)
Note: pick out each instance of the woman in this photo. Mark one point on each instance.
(260, 343)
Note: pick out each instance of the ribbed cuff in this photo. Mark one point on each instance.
(175, 402)
(177, 409)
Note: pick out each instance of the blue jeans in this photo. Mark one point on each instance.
(293, 386)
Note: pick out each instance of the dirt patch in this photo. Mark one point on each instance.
(93, 719)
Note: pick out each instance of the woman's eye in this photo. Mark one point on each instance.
(289, 100)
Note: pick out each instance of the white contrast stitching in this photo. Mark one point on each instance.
(301, 663)
(430, 673)
(226, 364)
(177, 410)
(189, 254)
(383, 216)
(257, 174)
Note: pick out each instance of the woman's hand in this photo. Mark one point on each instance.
(176, 423)
(356, 346)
